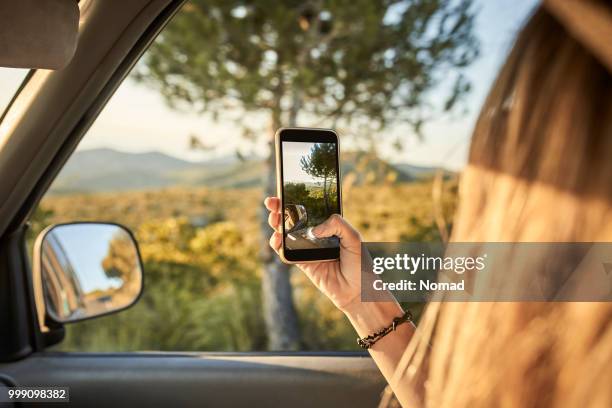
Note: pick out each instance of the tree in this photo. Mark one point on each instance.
(321, 163)
(358, 64)
(121, 259)
(295, 193)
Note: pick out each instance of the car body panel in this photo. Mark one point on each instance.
(205, 379)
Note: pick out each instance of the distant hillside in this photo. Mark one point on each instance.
(110, 170)
(107, 169)
(421, 172)
(371, 169)
(231, 174)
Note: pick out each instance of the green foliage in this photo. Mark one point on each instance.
(321, 161)
(120, 260)
(321, 164)
(38, 221)
(202, 273)
(202, 293)
(312, 198)
(367, 62)
(296, 193)
(359, 64)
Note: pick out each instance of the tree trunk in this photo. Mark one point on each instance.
(325, 198)
(279, 311)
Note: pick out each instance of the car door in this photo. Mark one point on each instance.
(41, 130)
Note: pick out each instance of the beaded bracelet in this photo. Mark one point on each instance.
(368, 341)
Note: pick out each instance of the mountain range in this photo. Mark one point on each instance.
(106, 169)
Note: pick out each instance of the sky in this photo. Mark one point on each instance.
(136, 118)
(10, 79)
(86, 249)
(292, 154)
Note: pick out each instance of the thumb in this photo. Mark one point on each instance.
(338, 226)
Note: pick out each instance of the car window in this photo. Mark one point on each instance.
(179, 155)
(10, 81)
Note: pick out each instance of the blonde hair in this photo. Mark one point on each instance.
(540, 169)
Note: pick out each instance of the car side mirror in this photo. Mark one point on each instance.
(84, 270)
(296, 217)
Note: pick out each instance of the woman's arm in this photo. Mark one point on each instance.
(387, 352)
(369, 317)
(340, 281)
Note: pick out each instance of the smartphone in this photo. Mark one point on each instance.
(308, 185)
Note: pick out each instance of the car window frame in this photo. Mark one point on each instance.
(40, 340)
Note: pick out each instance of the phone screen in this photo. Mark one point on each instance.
(311, 192)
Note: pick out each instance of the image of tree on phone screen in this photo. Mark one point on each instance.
(310, 191)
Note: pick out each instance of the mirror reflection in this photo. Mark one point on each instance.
(88, 270)
(296, 217)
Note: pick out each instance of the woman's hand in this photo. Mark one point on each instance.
(339, 280)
